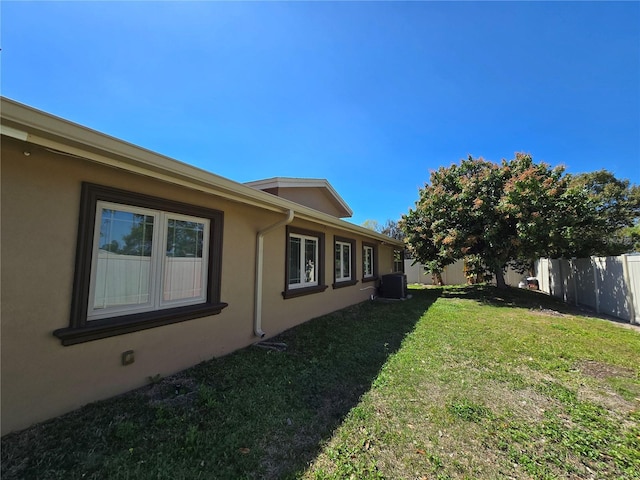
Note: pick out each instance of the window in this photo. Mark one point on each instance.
(146, 260)
(344, 263)
(398, 260)
(142, 262)
(305, 263)
(369, 260)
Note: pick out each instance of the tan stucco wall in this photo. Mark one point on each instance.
(314, 197)
(41, 379)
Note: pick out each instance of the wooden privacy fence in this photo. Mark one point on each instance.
(609, 285)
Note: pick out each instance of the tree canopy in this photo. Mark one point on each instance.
(515, 212)
(615, 212)
(391, 228)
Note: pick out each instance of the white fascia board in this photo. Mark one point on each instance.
(70, 138)
(13, 133)
(276, 182)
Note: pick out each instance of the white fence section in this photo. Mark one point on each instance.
(121, 280)
(609, 285)
(452, 275)
(126, 279)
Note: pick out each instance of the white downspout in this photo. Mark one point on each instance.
(257, 305)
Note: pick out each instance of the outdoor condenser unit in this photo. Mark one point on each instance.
(394, 285)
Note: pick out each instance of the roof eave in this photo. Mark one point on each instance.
(40, 128)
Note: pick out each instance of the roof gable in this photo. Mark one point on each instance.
(316, 193)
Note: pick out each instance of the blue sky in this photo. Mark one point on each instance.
(369, 95)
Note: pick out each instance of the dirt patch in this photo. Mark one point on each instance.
(601, 392)
(587, 312)
(603, 371)
(174, 391)
(546, 312)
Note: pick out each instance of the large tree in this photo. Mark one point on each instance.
(613, 220)
(513, 212)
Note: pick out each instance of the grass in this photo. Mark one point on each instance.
(455, 383)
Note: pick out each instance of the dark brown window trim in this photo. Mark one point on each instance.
(370, 279)
(346, 283)
(300, 292)
(82, 330)
(108, 327)
(321, 287)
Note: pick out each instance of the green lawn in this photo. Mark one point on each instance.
(453, 383)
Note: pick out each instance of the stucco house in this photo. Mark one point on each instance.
(120, 264)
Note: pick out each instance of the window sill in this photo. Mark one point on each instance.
(299, 292)
(370, 279)
(110, 327)
(346, 283)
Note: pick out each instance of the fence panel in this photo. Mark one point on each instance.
(121, 280)
(633, 278)
(513, 278)
(613, 291)
(609, 285)
(452, 275)
(125, 280)
(555, 278)
(415, 273)
(585, 283)
(567, 275)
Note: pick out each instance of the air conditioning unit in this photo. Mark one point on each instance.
(393, 285)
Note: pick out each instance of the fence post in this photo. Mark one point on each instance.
(548, 276)
(595, 283)
(627, 280)
(574, 274)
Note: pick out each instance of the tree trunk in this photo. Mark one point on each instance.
(438, 278)
(499, 273)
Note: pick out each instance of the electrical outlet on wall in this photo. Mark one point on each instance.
(128, 357)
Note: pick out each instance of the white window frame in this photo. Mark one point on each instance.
(398, 260)
(157, 263)
(365, 250)
(342, 277)
(302, 272)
